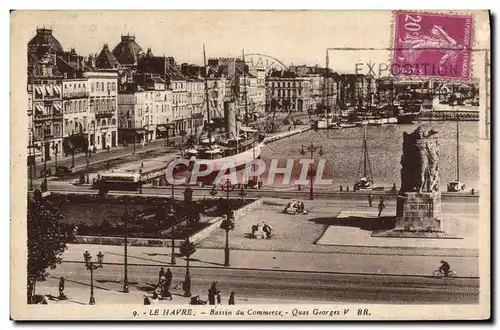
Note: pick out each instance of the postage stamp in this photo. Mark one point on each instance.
(432, 45)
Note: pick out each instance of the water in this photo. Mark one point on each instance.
(342, 151)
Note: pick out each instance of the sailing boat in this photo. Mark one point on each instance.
(365, 182)
(238, 148)
(456, 186)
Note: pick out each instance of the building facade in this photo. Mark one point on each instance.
(289, 92)
(76, 117)
(103, 109)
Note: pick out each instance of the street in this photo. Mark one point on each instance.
(331, 194)
(268, 284)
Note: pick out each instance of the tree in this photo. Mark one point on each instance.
(46, 240)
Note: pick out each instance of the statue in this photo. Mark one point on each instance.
(418, 205)
(420, 162)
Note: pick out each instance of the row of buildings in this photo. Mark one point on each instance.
(125, 95)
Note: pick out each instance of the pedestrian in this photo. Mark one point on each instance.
(219, 298)
(231, 298)
(168, 276)
(381, 206)
(213, 287)
(161, 274)
(211, 297)
(61, 287)
(370, 199)
(147, 301)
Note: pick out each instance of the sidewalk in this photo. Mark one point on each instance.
(283, 261)
(78, 294)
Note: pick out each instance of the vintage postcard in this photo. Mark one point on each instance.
(250, 165)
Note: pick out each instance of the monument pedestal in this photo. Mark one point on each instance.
(419, 212)
(417, 216)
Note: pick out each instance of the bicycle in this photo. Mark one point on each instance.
(439, 273)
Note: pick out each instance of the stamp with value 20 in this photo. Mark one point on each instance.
(432, 45)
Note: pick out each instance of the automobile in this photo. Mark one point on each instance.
(62, 171)
(298, 122)
(456, 186)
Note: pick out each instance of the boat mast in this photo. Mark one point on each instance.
(245, 87)
(207, 96)
(325, 79)
(365, 152)
(458, 136)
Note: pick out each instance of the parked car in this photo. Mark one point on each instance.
(298, 122)
(62, 171)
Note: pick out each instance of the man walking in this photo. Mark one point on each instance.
(161, 274)
(168, 276)
(381, 206)
(370, 199)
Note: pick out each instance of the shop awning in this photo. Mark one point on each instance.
(57, 106)
(161, 128)
(39, 90)
(57, 89)
(49, 90)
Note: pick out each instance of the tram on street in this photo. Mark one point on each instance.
(118, 181)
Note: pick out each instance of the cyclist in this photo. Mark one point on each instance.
(445, 268)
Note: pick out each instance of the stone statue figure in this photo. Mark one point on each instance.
(420, 162)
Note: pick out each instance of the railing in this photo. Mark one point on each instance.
(70, 95)
(104, 113)
(50, 116)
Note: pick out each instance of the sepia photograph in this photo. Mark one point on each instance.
(250, 165)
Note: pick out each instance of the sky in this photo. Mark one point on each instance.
(293, 37)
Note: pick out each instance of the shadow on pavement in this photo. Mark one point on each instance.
(382, 223)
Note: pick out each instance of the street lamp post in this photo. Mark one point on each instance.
(187, 249)
(311, 172)
(140, 181)
(227, 224)
(125, 256)
(242, 193)
(87, 171)
(213, 192)
(169, 212)
(227, 187)
(91, 266)
(55, 147)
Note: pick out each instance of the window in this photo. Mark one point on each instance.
(92, 87)
(114, 86)
(108, 85)
(102, 86)
(80, 105)
(65, 107)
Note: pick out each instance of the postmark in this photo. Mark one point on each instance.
(432, 45)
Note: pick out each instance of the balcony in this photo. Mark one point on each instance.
(105, 113)
(75, 95)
